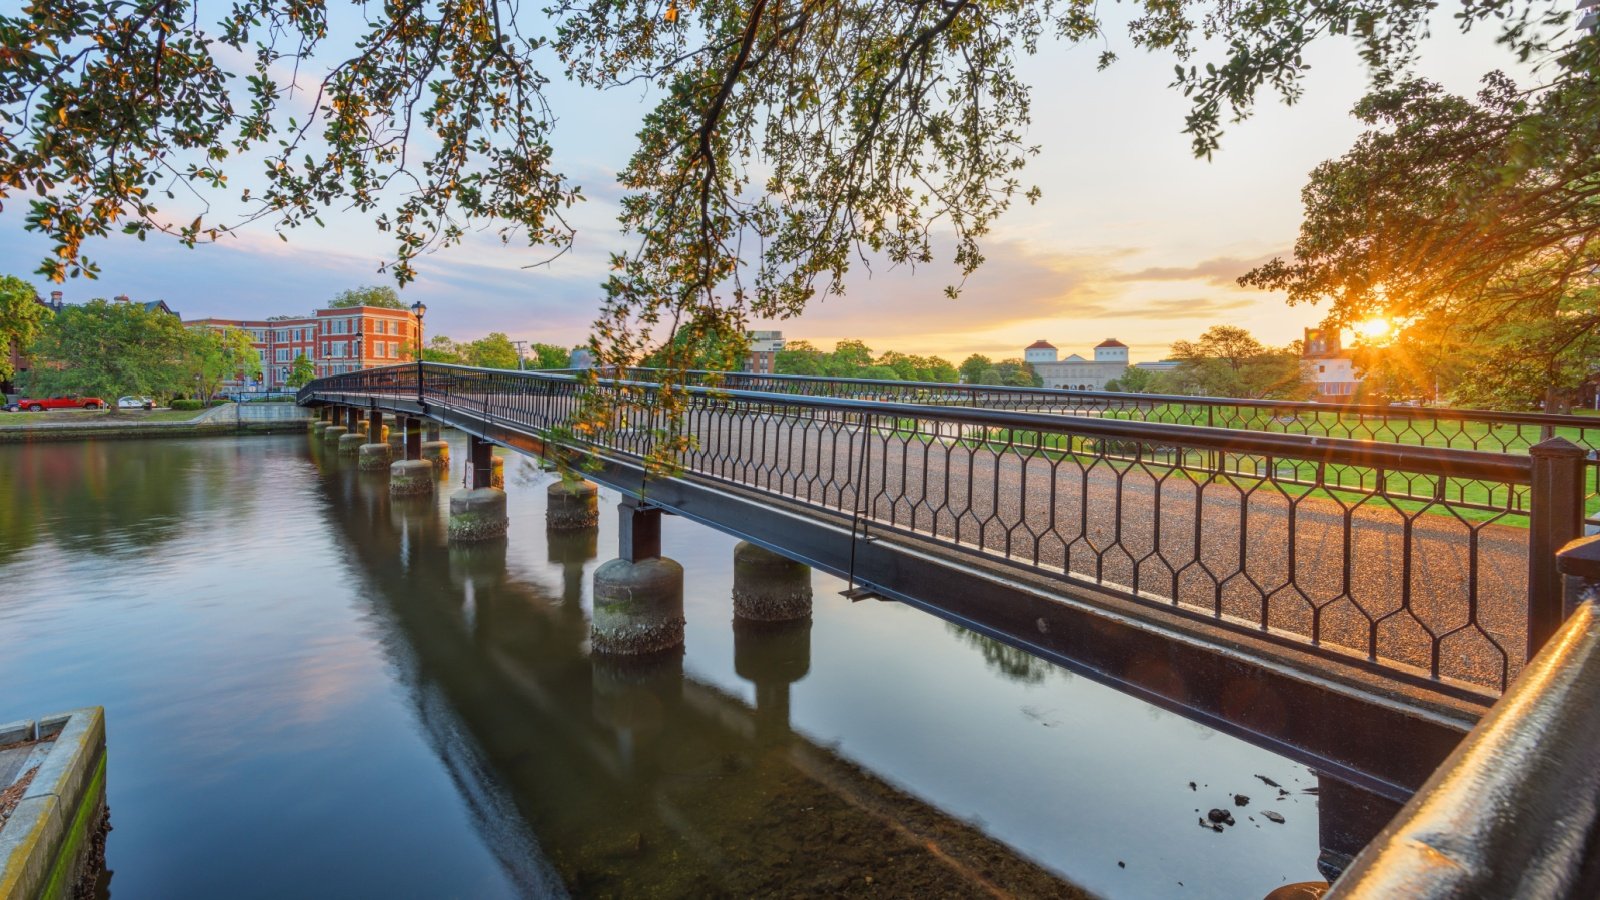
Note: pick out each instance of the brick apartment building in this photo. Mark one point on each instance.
(763, 355)
(335, 340)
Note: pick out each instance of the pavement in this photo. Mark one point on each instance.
(1426, 589)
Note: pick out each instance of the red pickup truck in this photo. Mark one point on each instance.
(38, 404)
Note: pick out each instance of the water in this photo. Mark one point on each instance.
(309, 694)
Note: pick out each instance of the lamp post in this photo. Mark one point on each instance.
(361, 360)
(419, 309)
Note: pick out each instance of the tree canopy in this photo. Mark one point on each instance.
(367, 295)
(1474, 225)
(820, 133)
(494, 351)
(21, 317)
(214, 356)
(109, 350)
(1228, 361)
(301, 372)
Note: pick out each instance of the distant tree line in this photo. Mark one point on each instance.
(854, 359)
(1225, 361)
(110, 349)
(494, 351)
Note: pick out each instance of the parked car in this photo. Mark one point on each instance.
(135, 403)
(39, 404)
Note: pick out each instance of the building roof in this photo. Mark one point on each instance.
(1074, 358)
(1040, 345)
(1111, 342)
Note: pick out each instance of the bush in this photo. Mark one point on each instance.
(190, 405)
(219, 401)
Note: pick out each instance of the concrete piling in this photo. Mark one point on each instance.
(332, 433)
(374, 457)
(769, 587)
(350, 443)
(571, 505)
(477, 515)
(638, 607)
(638, 598)
(438, 453)
(410, 477)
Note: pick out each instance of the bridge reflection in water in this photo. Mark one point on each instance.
(616, 778)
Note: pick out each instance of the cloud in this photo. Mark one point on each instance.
(1187, 308)
(1222, 271)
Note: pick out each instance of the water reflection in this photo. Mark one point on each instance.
(628, 776)
(1017, 665)
(97, 497)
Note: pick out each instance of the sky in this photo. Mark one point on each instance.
(1133, 238)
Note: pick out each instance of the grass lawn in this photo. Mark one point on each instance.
(1426, 432)
(103, 417)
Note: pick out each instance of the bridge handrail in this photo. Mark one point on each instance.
(1364, 488)
(1122, 398)
(1515, 810)
(1444, 461)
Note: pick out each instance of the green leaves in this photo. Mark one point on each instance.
(1475, 224)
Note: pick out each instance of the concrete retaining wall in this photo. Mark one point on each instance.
(55, 837)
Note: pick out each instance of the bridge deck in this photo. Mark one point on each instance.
(1372, 583)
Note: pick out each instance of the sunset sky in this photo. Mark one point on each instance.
(1133, 238)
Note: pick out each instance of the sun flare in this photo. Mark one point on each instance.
(1375, 329)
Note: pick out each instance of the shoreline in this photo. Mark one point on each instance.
(216, 422)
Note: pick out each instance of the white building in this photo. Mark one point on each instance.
(1328, 367)
(1076, 373)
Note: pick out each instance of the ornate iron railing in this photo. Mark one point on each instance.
(1515, 809)
(1419, 560)
(1423, 426)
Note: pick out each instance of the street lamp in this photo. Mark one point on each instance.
(361, 360)
(419, 309)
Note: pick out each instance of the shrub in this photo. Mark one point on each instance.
(187, 404)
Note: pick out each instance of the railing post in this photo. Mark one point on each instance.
(1579, 562)
(1555, 517)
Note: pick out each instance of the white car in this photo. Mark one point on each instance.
(135, 403)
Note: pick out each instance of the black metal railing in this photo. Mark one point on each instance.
(1515, 810)
(1423, 426)
(1430, 563)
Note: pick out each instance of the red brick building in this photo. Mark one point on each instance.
(335, 340)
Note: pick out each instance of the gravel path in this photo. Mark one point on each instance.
(1426, 589)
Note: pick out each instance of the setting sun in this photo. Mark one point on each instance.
(1375, 329)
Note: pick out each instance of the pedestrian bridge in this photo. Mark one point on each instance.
(1354, 604)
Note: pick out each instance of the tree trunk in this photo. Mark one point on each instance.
(1557, 401)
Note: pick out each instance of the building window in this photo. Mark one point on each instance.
(283, 354)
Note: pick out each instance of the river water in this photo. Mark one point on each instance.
(308, 693)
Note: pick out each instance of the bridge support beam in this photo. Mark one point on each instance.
(396, 439)
(412, 475)
(352, 419)
(413, 430)
(435, 449)
(638, 598)
(768, 586)
(1348, 818)
(772, 656)
(478, 514)
(571, 505)
(374, 455)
